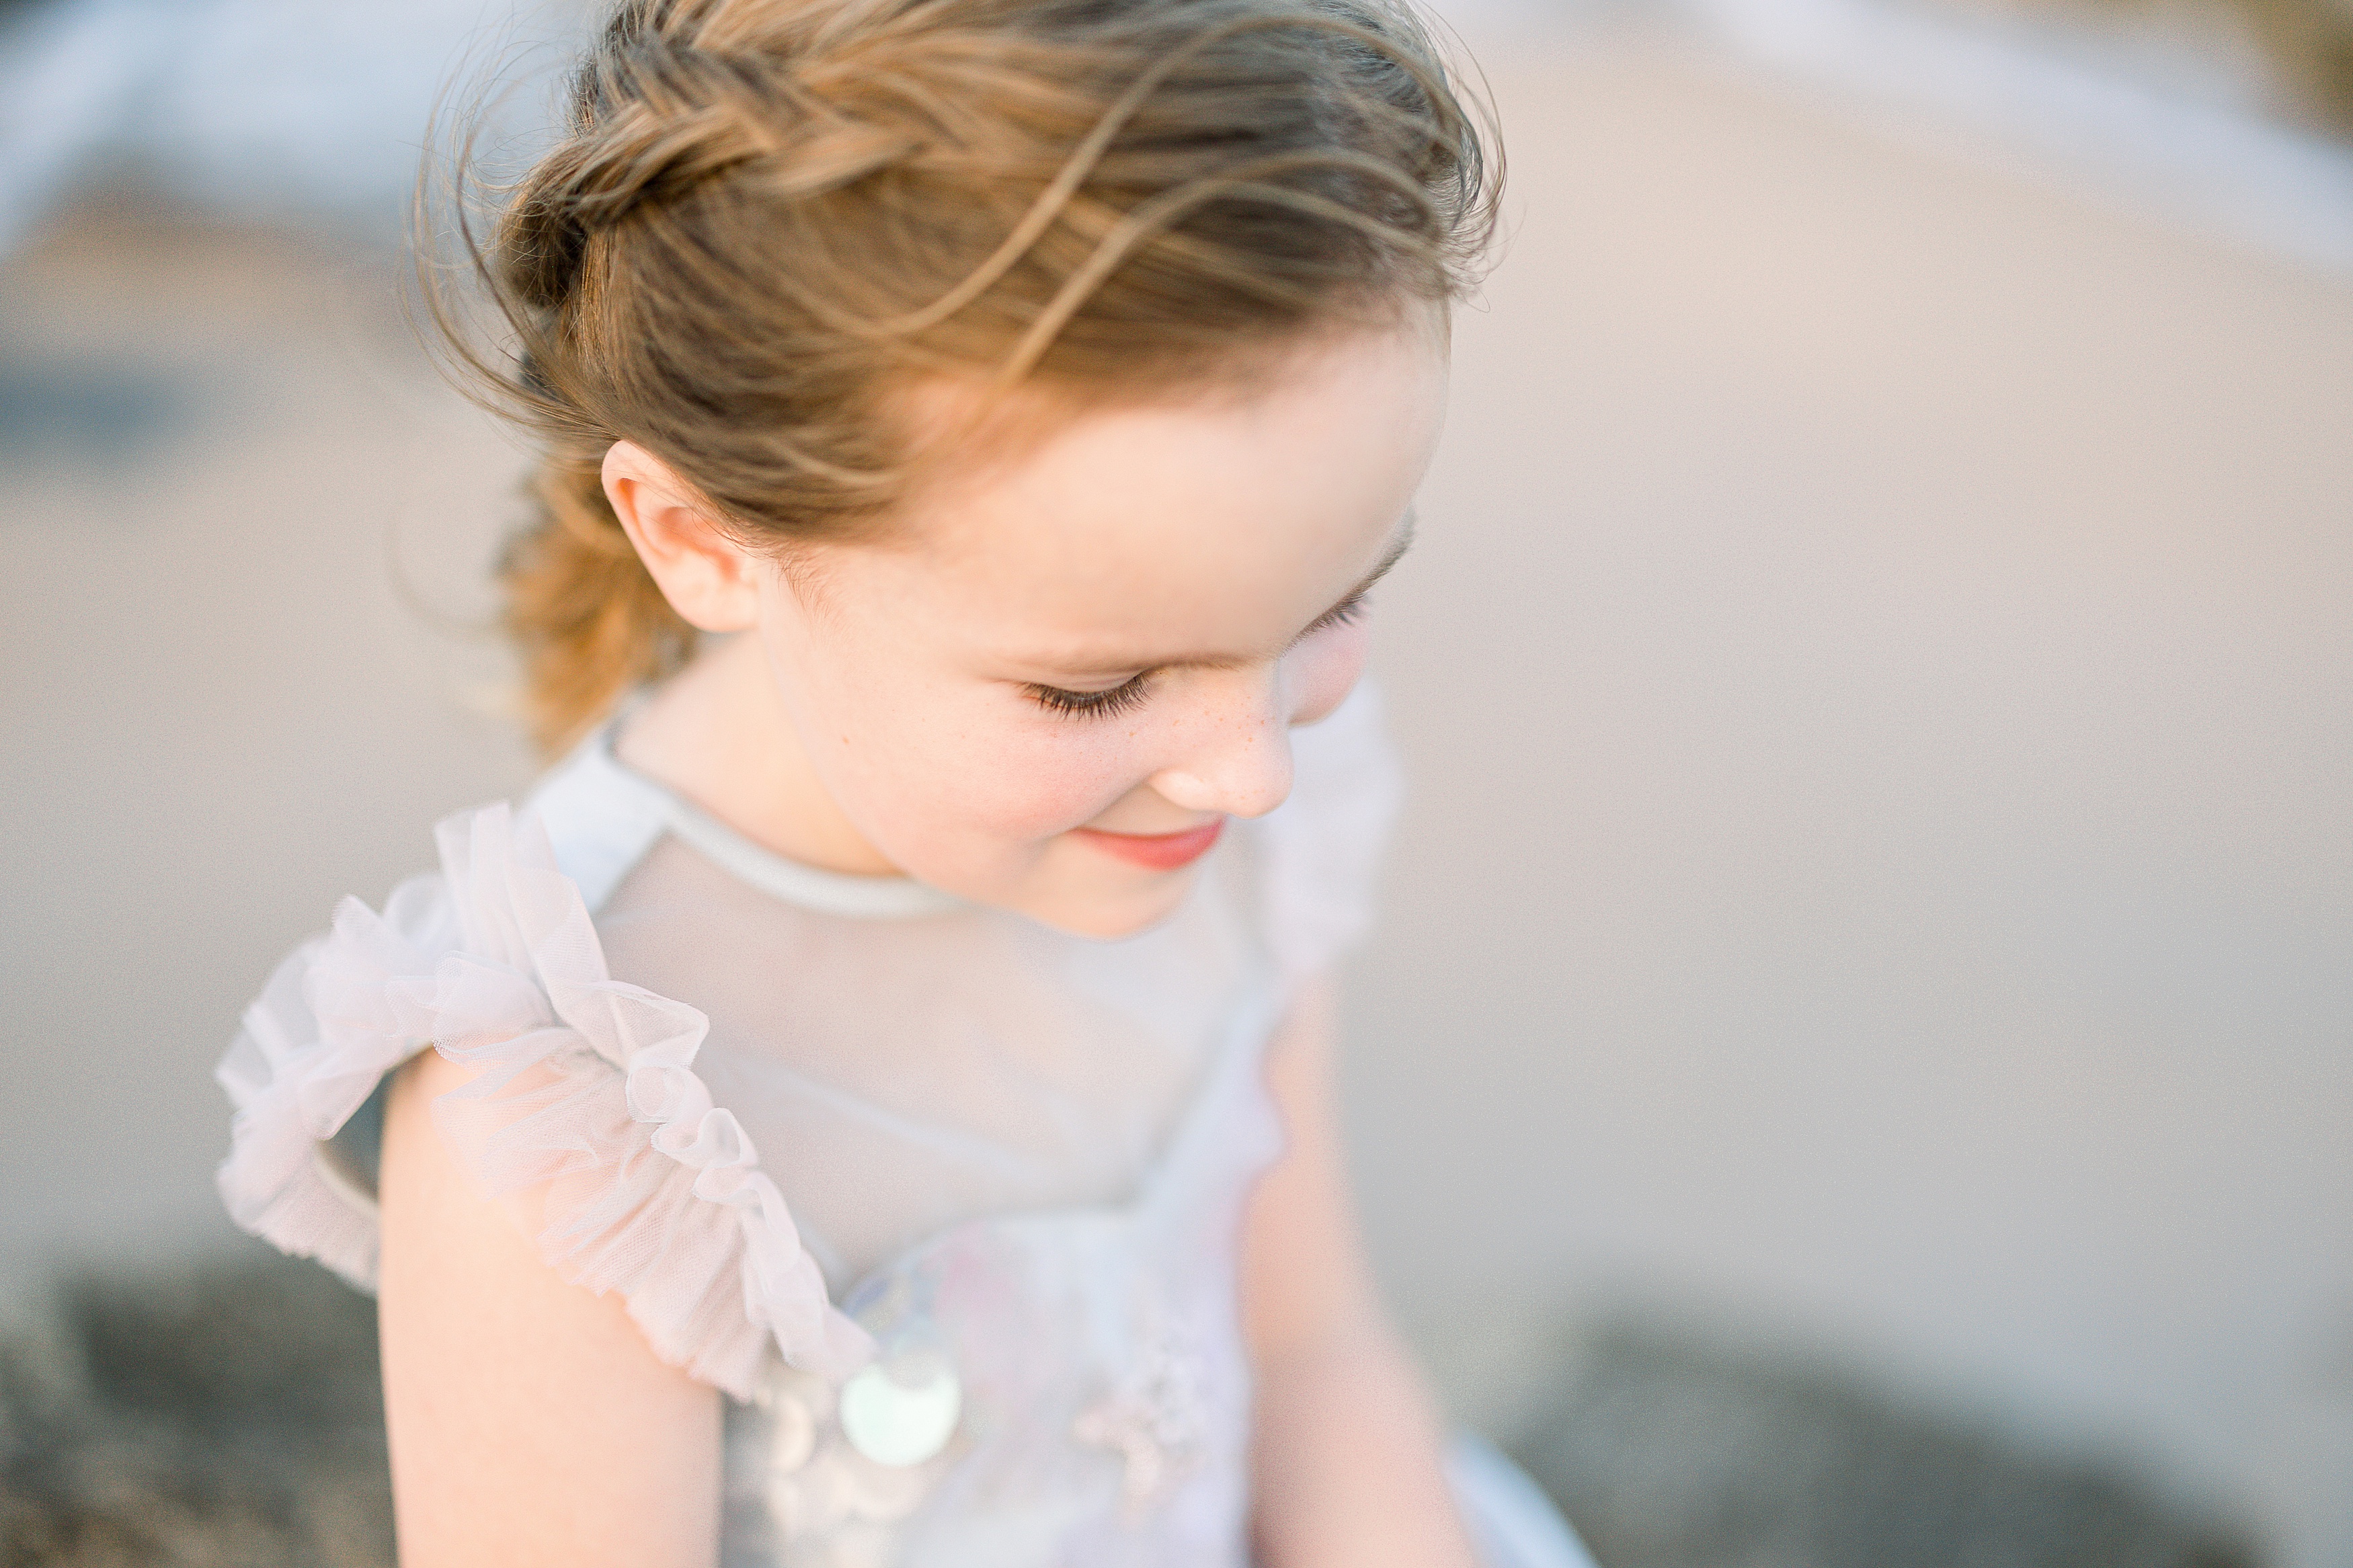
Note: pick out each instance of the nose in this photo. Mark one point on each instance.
(1237, 759)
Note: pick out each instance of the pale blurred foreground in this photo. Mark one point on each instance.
(1855, 1069)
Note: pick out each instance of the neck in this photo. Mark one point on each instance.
(718, 734)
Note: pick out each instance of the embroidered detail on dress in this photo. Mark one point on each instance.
(1155, 1417)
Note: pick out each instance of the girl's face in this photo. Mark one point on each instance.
(1054, 679)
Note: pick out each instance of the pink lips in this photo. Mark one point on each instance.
(1157, 851)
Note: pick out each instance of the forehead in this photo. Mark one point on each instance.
(1219, 521)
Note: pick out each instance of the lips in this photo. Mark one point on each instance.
(1157, 851)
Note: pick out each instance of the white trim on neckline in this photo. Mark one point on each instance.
(604, 814)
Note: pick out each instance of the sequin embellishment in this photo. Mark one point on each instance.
(902, 1409)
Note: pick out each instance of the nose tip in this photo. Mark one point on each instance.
(1245, 773)
(1194, 793)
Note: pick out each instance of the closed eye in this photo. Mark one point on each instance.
(1352, 608)
(1117, 699)
(1130, 694)
(1346, 612)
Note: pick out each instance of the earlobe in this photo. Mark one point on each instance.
(708, 576)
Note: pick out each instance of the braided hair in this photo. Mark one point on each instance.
(767, 220)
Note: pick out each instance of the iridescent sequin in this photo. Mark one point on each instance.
(902, 1409)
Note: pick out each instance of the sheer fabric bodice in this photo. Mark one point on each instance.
(947, 1201)
(906, 1067)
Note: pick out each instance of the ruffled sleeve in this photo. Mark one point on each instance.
(585, 1108)
(1323, 846)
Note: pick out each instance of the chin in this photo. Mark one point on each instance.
(1107, 913)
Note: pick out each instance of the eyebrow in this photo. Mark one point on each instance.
(1389, 558)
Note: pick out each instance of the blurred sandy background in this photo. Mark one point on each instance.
(1877, 676)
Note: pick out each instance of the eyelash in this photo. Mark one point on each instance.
(1345, 612)
(1126, 695)
(1108, 704)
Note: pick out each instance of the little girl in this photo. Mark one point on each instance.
(973, 430)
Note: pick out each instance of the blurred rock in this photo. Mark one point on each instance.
(1669, 1451)
(225, 1413)
(229, 1412)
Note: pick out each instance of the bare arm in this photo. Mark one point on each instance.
(1345, 1461)
(530, 1422)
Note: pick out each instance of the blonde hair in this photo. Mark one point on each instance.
(766, 219)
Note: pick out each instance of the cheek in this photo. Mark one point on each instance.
(1323, 670)
(947, 778)
(970, 771)
(1025, 782)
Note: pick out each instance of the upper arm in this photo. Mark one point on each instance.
(1304, 1277)
(1345, 1444)
(528, 1420)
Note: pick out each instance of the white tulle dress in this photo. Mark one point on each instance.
(946, 1202)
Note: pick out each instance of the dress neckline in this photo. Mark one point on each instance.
(1233, 1085)
(599, 767)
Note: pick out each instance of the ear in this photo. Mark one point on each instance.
(709, 578)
